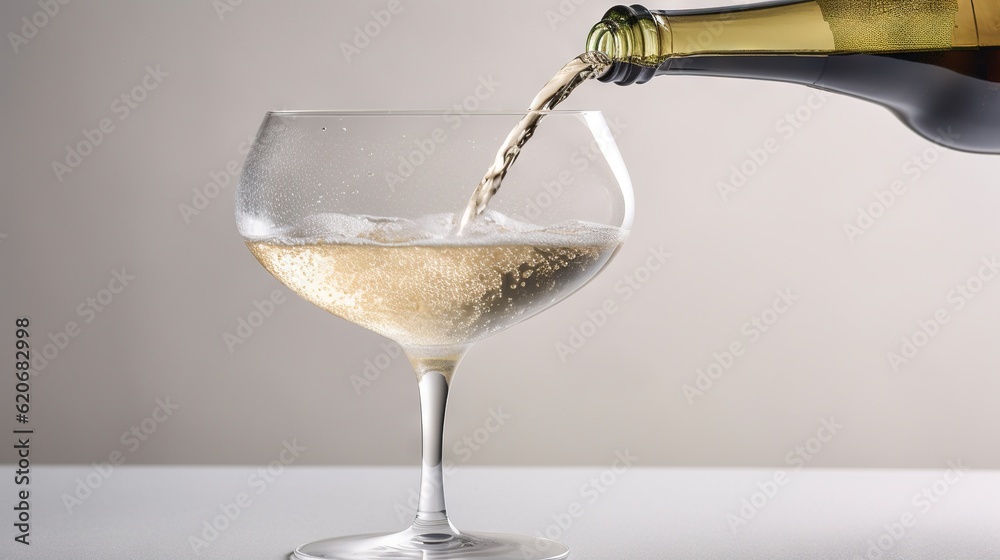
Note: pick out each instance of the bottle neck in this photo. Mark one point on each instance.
(635, 41)
(640, 41)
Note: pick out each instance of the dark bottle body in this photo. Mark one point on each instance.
(952, 108)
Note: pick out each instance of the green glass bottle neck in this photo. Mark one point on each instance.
(630, 37)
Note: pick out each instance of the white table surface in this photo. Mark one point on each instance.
(152, 512)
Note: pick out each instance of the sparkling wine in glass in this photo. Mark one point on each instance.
(359, 214)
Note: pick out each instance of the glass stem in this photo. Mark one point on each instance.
(433, 378)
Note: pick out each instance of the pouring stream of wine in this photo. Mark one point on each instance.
(580, 69)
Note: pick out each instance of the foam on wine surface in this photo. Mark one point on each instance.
(416, 282)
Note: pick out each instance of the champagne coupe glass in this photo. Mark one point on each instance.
(357, 212)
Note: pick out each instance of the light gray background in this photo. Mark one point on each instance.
(163, 335)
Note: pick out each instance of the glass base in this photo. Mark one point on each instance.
(433, 546)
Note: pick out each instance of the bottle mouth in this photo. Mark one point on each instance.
(630, 37)
(605, 37)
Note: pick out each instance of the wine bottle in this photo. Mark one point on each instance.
(934, 63)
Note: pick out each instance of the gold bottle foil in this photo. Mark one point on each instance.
(884, 25)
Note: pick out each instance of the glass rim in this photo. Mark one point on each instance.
(425, 112)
